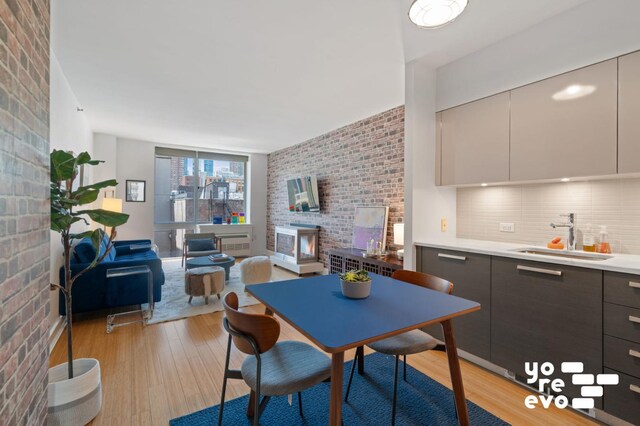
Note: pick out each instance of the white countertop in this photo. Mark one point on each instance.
(626, 263)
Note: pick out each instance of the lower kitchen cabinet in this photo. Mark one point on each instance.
(471, 278)
(623, 399)
(544, 312)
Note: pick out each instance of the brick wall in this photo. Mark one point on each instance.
(361, 164)
(24, 210)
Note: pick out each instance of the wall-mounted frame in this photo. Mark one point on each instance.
(136, 191)
(370, 223)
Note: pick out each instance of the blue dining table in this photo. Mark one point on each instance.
(316, 308)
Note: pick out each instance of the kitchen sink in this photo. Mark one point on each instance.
(581, 255)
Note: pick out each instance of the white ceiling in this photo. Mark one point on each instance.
(257, 76)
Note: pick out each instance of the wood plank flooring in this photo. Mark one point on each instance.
(153, 374)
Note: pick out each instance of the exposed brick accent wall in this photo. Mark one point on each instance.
(361, 164)
(24, 210)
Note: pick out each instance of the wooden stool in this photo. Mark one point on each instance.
(204, 281)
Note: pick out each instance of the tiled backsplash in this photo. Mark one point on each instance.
(615, 203)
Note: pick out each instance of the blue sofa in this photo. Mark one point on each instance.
(93, 291)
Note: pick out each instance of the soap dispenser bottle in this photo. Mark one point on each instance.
(588, 239)
(604, 246)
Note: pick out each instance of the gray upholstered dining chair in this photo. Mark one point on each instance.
(272, 368)
(411, 342)
(197, 245)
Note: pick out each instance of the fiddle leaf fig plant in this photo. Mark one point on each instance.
(67, 201)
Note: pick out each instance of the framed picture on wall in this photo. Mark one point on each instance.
(370, 223)
(136, 191)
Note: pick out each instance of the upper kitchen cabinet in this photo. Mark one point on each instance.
(475, 142)
(628, 113)
(566, 125)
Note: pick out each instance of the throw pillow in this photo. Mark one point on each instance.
(205, 244)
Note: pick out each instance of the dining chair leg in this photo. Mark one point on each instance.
(395, 392)
(300, 404)
(224, 381)
(353, 368)
(404, 362)
(256, 414)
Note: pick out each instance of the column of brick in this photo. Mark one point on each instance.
(24, 210)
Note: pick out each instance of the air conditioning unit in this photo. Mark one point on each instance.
(235, 240)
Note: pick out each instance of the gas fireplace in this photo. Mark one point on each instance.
(296, 249)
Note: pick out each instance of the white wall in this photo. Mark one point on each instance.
(425, 203)
(69, 130)
(257, 202)
(589, 33)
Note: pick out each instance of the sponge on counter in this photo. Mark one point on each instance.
(555, 244)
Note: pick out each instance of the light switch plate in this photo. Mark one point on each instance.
(507, 227)
(443, 224)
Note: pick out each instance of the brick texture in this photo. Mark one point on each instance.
(24, 210)
(361, 164)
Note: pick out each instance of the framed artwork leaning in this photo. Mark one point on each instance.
(370, 223)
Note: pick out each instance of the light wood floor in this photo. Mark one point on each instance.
(153, 374)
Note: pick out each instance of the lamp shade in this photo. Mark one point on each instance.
(398, 234)
(112, 204)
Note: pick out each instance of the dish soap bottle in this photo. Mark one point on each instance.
(588, 240)
(604, 246)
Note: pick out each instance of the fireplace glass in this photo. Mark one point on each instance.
(286, 244)
(308, 246)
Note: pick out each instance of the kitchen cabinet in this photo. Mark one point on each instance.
(628, 113)
(471, 278)
(566, 125)
(622, 344)
(543, 312)
(475, 142)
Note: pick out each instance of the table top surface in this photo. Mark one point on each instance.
(205, 261)
(316, 307)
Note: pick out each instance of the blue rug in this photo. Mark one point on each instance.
(421, 401)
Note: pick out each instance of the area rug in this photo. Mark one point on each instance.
(421, 402)
(174, 304)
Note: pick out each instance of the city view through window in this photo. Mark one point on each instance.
(190, 191)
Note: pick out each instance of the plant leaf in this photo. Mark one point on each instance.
(81, 235)
(85, 158)
(106, 217)
(62, 165)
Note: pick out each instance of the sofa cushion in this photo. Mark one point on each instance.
(84, 252)
(204, 244)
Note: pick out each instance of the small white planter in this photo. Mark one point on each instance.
(356, 290)
(74, 401)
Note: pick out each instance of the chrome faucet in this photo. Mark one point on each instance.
(571, 224)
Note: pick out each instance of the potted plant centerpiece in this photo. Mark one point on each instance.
(75, 390)
(356, 284)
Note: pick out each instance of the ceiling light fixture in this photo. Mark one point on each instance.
(565, 179)
(483, 184)
(435, 13)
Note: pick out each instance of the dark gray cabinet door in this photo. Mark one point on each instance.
(471, 278)
(546, 312)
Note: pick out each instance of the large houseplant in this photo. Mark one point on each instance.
(68, 394)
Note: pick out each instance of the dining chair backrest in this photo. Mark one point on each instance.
(263, 329)
(424, 280)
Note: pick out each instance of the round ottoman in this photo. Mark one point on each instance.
(255, 270)
(204, 281)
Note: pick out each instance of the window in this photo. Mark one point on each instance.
(193, 187)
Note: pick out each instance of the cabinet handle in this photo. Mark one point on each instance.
(540, 270)
(451, 256)
(634, 284)
(634, 354)
(634, 388)
(634, 319)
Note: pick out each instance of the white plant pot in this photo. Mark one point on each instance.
(74, 401)
(357, 290)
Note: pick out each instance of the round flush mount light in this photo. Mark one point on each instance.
(435, 13)
(565, 180)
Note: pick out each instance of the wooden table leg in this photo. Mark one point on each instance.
(456, 374)
(335, 400)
